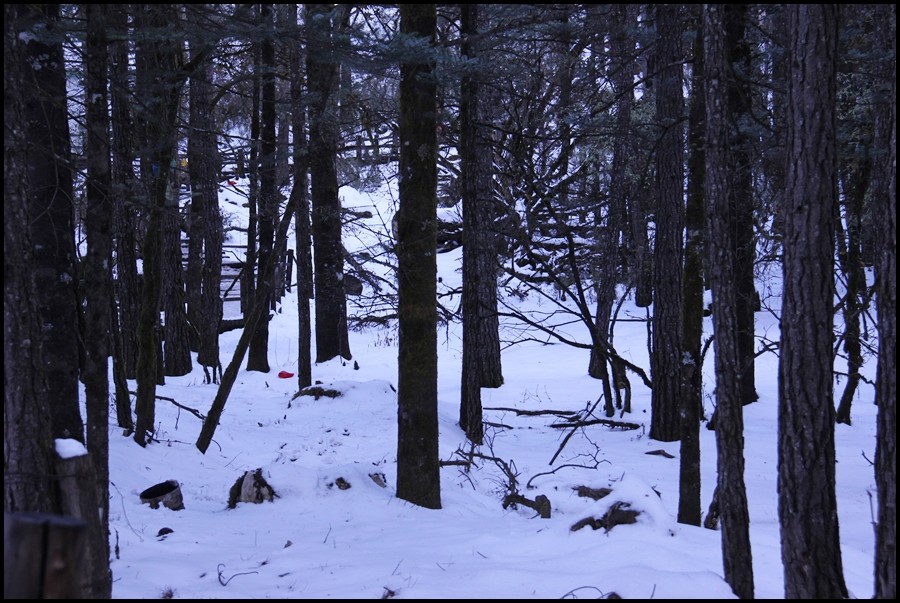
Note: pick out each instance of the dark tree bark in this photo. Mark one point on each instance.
(29, 482)
(810, 543)
(886, 392)
(331, 303)
(418, 469)
(125, 301)
(282, 142)
(346, 106)
(855, 183)
(97, 285)
(735, 520)
(564, 69)
(120, 381)
(863, 82)
(51, 218)
(127, 205)
(248, 276)
(197, 139)
(300, 202)
(204, 271)
(488, 340)
(257, 357)
(481, 340)
(666, 353)
(741, 214)
(886, 285)
(176, 331)
(158, 106)
(691, 405)
(773, 170)
(621, 72)
(33, 475)
(641, 260)
(158, 82)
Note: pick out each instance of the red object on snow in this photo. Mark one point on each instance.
(232, 182)
(285, 375)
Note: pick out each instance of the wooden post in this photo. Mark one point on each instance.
(42, 556)
(79, 499)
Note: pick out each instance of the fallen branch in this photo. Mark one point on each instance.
(592, 493)
(534, 413)
(230, 324)
(574, 429)
(618, 514)
(466, 464)
(661, 452)
(607, 422)
(528, 485)
(222, 579)
(541, 503)
(575, 426)
(193, 411)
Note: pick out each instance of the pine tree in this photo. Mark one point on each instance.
(807, 510)
(418, 469)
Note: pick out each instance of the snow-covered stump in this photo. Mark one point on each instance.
(168, 493)
(250, 487)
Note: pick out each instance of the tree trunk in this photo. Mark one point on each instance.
(331, 303)
(689, 507)
(257, 357)
(126, 206)
(51, 218)
(641, 259)
(125, 299)
(855, 183)
(863, 82)
(120, 381)
(282, 142)
(481, 340)
(205, 251)
(666, 354)
(248, 275)
(620, 70)
(810, 543)
(29, 482)
(773, 170)
(176, 334)
(418, 469)
(300, 202)
(158, 105)
(736, 555)
(886, 284)
(97, 293)
(741, 214)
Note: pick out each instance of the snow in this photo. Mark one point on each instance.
(68, 448)
(317, 540)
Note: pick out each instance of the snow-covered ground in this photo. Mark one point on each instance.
(319, 540)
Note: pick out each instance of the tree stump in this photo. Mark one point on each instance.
(168, 493)
(250, 487)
